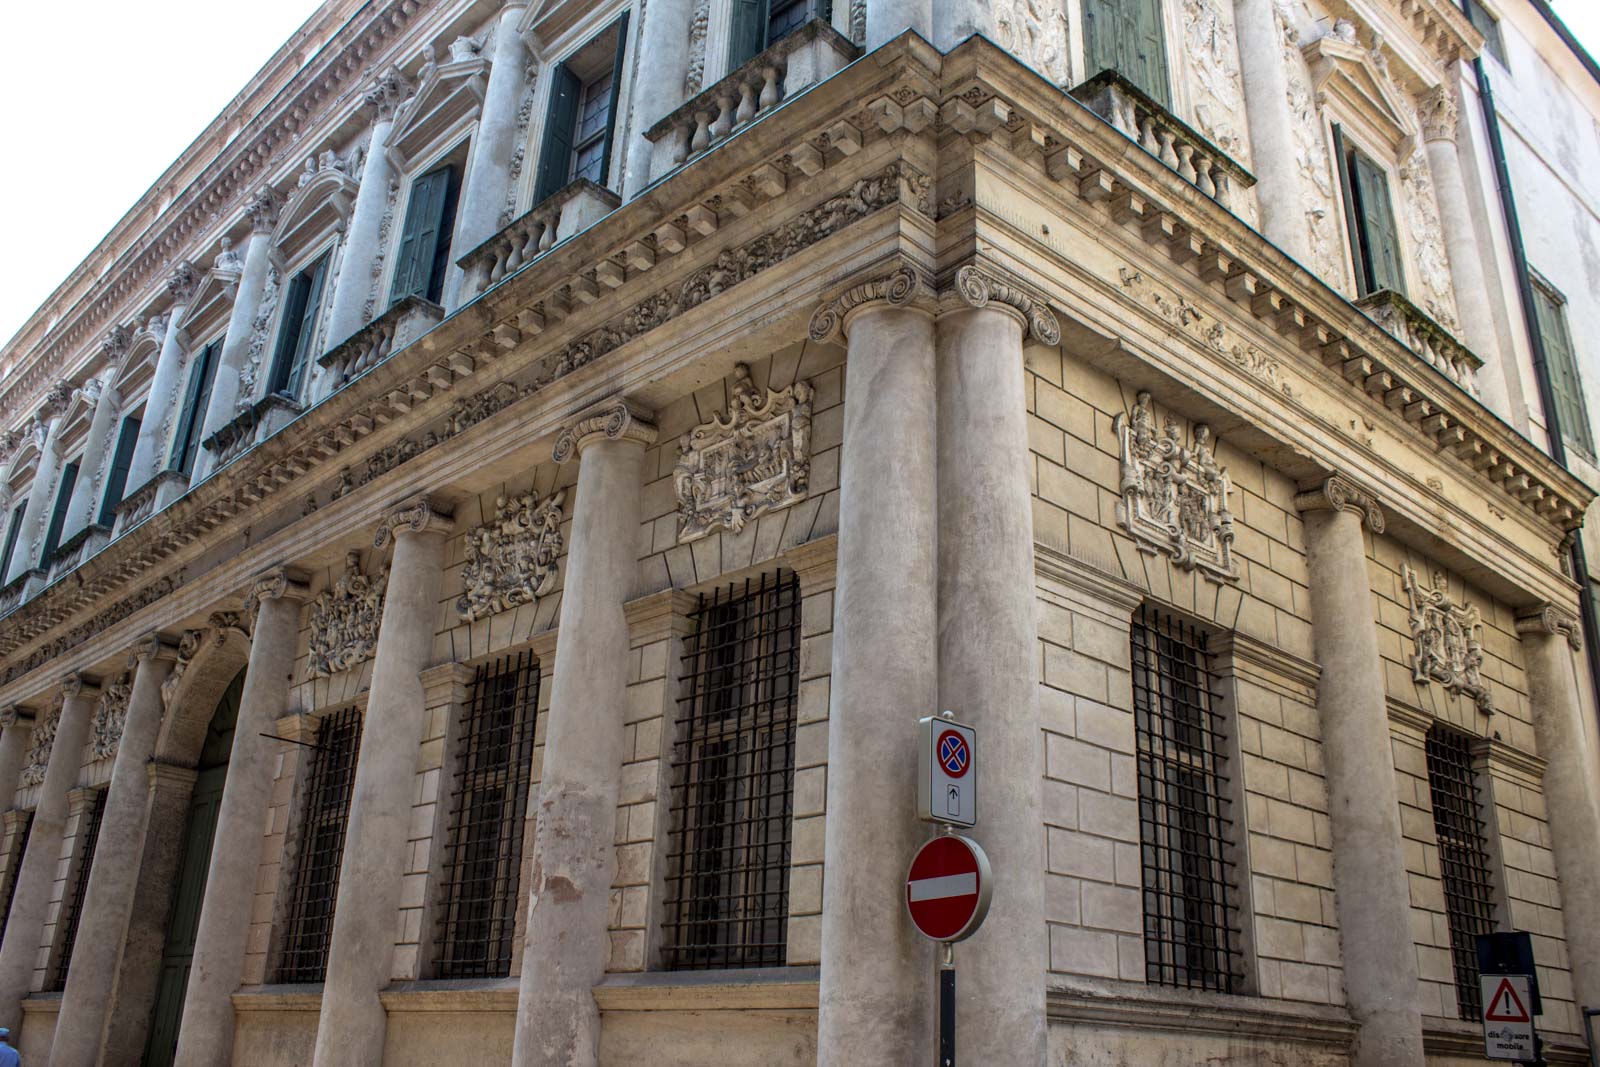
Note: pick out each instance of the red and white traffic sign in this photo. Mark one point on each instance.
(948, 887)
(947, 775)
(1507, 1018)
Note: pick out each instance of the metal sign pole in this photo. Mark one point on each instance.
(947, 1007)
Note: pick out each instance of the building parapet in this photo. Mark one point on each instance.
(404, 322)
(1412, 327)
(569, 210)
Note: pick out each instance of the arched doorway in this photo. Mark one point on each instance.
(183, 922)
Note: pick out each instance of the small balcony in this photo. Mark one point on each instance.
(1155, 129)
(404, 322)
(77, 548)
(569, 210)
(250, 427)
(151, 497)
(1412, 327)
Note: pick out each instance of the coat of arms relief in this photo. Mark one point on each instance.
(512, 559)
(1174, 495)
(755, 458)
(1448, 638)
(345, 619)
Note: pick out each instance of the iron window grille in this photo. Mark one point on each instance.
(1190, 920)
(308, 924)
(16, 871)
(733, 773)
(483, 863)
(1463, 858)
(91, 838)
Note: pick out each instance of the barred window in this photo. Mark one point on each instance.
(74, 913)
(1190, 919)
(489, 806)
(1463, 858)
(733, 768)
(16, 870)
(308, 924)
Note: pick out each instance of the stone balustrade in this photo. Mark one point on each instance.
(1412, 327)
(11, 595)
(250, 427)
(567, 212)
(77, 548)
(404, 322)
(167, 486)
(1155, 129)
(794, 62)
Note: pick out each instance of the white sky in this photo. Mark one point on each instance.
(97, 108)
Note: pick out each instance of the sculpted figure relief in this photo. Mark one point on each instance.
(754, 459)
(1448, 638)
(109, 716)
(512, 559)
(1175, 497)
(345, 619)
(37, 761)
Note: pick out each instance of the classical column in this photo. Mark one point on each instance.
(41, 494)
(1273, 152)
(1439, 114)
(659, 81)
(347, 312)
(361, 952)
(1369, 871)
(988, 645)
(16, 731)
(108, 902)
(874, 1005)
(85, 504)
(566, 945)
(953, 22)
(225, 385)
(37, 875)
(1550, 637)
(488, 177)
(206, 1038)
(150, 449)
(888, 19)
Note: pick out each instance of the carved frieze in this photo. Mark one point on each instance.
(344, 619)
(110, 712)
(1175, 496)
(1449, 640)
(752, 460)
(1035, 31)
(512, 559)
(1209, 45)
(37, 759)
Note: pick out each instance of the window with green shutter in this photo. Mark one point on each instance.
(1489, 26)
(186, 441)
(1369, 217)
(424, 253)
(117, 476)
(298, 329)
(580, 122)
(1561, 363)
(13, 531)
(756, 25)
(58, 514)
(1127, 36)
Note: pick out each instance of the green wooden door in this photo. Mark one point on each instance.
(1126, 36)
(183, 922)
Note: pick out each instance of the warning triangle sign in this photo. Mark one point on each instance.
(1505, 1006)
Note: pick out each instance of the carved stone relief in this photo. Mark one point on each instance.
(694, 80)
(519, 155)
(1213, 55)
(743, 464)
(1174, 496)
(385, 224)
(1311, 153)
(512, 559)
(258, 341)
(1200, 324)
(1421, 211)
(1448, 638)
(1035, 31)
(37, 760)
(109, 715)
(345, 619)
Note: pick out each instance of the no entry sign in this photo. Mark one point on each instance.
(948, 887)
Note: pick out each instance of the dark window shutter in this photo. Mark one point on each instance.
(1127, 36)
(445, 233)
(186, 443)
(13, 530)
(1562, 365)
(117, 477)
(555, 156)
(420, 238)
(611, 105)
(294, 313)
(306, 330)
(1377, 217)
(58, 514)
(747, 31)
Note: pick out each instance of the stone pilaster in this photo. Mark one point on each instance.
(41, 496)
(1276, 159)
(1550, 637)
(16, 729)
(659, 84)
(31, 902)
(988, 643)
(567, 946)
(956, 20)
(207, 1035)
(875, 968)
(1368, 857)
(108, 902)
(351, 1029)
(888, 19)
(159, 410)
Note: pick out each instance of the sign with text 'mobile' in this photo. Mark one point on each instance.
(1507, 1017)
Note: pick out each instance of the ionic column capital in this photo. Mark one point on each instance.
(901, 287)
(15, 714)
(152, 646)
(1548, 618)
(1437, 110)
(417, 517)
(616, 420)
(79, 685)
(1338, 493)
(978, 288)
(279, 583)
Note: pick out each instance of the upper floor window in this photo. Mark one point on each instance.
(72, 913)
(298, 330)
(759, 24)
(13, 532)
(581, 123)
(1463, 857)
(490, 803)
(117, 474)
(1369, 217)
(192, 417)
(1550, 309)
(1489, 26)
(1127, 36)
(1191, 919)
(14, 868)
(58, 514)
(733, 779)
(424, 253)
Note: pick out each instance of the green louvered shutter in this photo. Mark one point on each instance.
(1562, 365)
(1380, 236)
(747, 31)
(117, 477)
(555, 155)
(58, 514)
(306, 331)
(611, 105)
(1126, 36)
(13, 530)
(186, 443)
(432, 201)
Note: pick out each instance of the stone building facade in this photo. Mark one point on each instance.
(482, 530)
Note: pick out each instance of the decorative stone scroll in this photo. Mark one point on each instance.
(1339, 493)
(980, 290)
(615, 421)
(898, 288)
(37, 759)
(419, 516)
(752, 460)
(1551, 619)
(512, 559)
(344, 619)
(1175, 497)
(109, 715)
(1449, 640)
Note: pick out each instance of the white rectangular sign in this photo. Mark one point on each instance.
(947, 775)
(1507, 1016)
